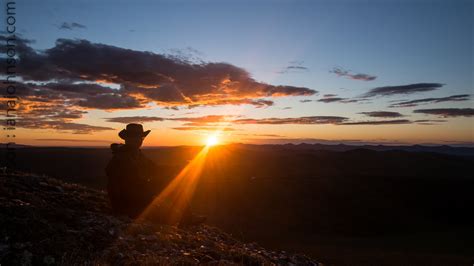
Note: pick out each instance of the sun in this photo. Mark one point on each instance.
(212, 140)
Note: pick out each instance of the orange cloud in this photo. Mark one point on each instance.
(62, 83)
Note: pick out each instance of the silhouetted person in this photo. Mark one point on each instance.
(133, 179)
(130, 173)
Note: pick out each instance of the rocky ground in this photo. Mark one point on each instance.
(46, 221)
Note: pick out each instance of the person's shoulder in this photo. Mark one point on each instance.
(117, 148)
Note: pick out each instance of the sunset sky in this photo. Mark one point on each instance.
(256, 71)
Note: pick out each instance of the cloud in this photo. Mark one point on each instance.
(201, 121)
(379, 122)
(192, 128)
(402, 89)
(75, 140)
(63, 83)
(257, 103)
(188, 55)
(223, 122)
(306, 101)
(382, 114)
(447, 112)
(307, 120)
(453, 98)
(152, 77)
(59, 125)
(394, 122)
(57, 105)
(297, 67)
(134, 119)
(329, 98)
(214, 120)
(86, 95)
(429, 121)
(71, 26)
(294, 67)
(346, 73)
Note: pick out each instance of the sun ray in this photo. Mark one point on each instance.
(178, 193)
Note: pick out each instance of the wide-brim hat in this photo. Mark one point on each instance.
(133, 130)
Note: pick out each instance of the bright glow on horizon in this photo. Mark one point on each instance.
(212, 140)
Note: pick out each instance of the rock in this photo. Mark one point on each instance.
(26, 258)
(48, 260)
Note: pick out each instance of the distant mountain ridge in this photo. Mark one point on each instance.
(442, 149)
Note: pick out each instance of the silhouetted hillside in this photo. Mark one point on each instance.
(47, 221)
(405, 206)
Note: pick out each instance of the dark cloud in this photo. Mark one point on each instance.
(346, 73)
(402, 89)
(62, 83)
(67, 102)
(308, 120)
(110, 102)
(297, 67)
(153, 77)
(382, 114)
(223, 120)
(429, 121)
(51, 106)
(59, 125)
(447, 112)
(214, 120)
(330, 98)
(75, 140)
(193, 128)
(258, 103)
(453, 98)
(306, 101)
(201, 121)
(188, 55)
(149, 77)
(294, 67)
(134, 119)
(395, 121)
(71, 26)
(361, 101)
(379, 122)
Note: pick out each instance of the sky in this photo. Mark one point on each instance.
(390, 72)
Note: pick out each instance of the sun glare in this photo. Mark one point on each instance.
(212, 140)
